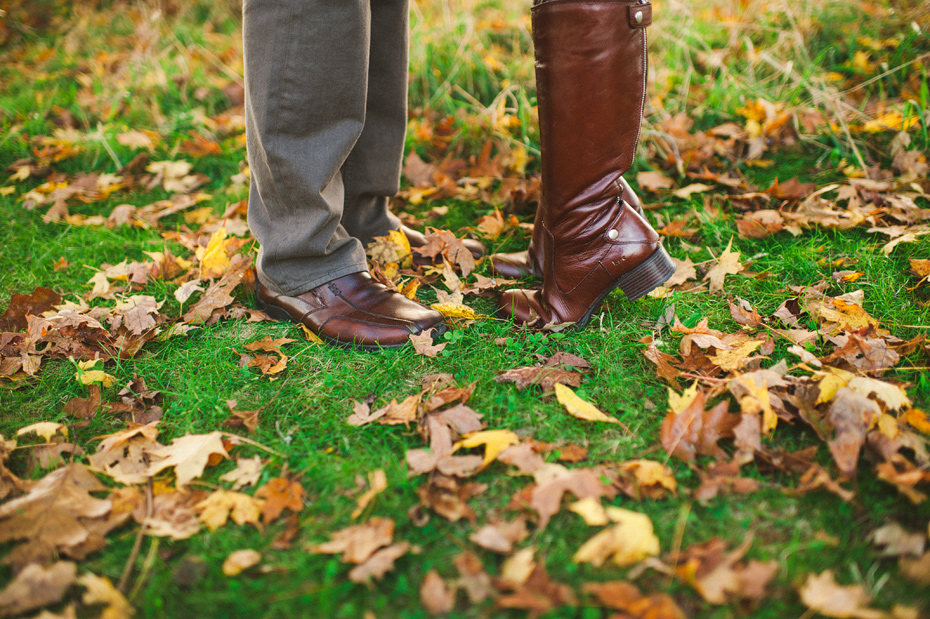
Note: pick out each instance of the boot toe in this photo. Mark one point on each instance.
(514, 265)
(519, 305)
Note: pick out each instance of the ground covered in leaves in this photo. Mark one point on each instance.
(749, 440)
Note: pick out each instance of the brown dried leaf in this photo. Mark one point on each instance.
(822, 594)
(359, 542)
(189, 455)
(36, 586)
(423, 344)
(696, 431)
(379, 563)
(546, 377)
(280, 493)
(436, 596)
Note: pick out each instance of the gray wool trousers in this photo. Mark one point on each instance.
(326, 113)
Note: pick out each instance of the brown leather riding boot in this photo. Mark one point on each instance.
(591, 89)
(528, 263)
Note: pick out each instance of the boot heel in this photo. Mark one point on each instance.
(648, 276)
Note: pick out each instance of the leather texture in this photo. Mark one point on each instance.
(416, 239)
(354, 311)
(591, 88)
(528, 264)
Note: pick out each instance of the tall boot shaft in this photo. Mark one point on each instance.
(591, 89)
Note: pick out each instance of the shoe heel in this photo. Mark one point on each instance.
(648, 276)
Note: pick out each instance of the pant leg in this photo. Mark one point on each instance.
(306, 74)
(372, 172)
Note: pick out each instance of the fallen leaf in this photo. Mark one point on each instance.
(101, 591)
(189, 455)
(821, 593)
(727, 264)
(37, 586)
(578, 407)
(423, 344)
(436, 596)
(247, 472)
(379, 564)
(377, 483)
(279, 494)
(494, 441)
(240, 560)
(629, 541)
(222, 504)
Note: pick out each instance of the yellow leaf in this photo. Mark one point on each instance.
(579, 408)
(727, 264)
(832, 380)
(918, 420)
(213, 259)
(310, 335)
(494, 441)
(45, 429)
(455, 310)
(87, 376)
(240, 560)
(220, 505)
(409, 289)
(101, 591)
(591, 511)
(888, 426)
(678, 403)
(631, 540)
(377, 483)
(731, 360)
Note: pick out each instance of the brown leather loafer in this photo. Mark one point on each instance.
(416, 239)
(354, 311)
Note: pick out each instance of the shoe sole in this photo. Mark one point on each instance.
(280, 315)
(639, 282)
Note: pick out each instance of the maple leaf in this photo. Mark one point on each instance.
(279, 494)
(684, 271)
(696, 431)
(723, 477)
(240, 560)
(246, 473)
(423, 344)
(624, 596)
(494, 441)
(646, 478)
(222, 504)
(578, 407)
(727, 264)
(189, 455)
(546, 377)
(821, 593)
(37, 586)
(219, 294)
(359, 542)
(556, 480)
(379, 564)
(629, 541)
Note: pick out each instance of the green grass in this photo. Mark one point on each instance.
(195, 46)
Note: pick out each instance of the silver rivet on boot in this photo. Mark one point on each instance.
(638, 17)
(613, 235)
